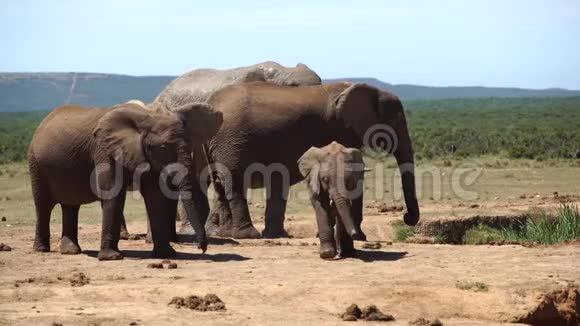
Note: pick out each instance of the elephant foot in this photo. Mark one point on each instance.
(41, 246)
(270, 233)
(186, 228)
(109, 254)
(411, 219)
(346, 249)
(327, 251)
(246, 232)
(165, 251)
(124, 235)
(212, 229)
(69, 247)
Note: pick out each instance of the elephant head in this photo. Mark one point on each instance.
(334, 175)
(135, 137)
(290, 76)
(378, 119)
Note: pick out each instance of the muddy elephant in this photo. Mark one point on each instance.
(200, 84)
(270, 126)
(79, 155)
(334, 177)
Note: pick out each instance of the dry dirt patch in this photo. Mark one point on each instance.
(559, 307)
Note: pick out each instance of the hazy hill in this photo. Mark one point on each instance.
(417, 92)
(44, 91)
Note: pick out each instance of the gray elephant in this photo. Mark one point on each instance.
(200, 84)
(271, 126)
(334, 176)
(79, 155)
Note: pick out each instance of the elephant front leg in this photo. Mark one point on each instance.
(159, 207)
(69, 242)
(112, 211)
(357, 214)
(325, 221)
(344, 242)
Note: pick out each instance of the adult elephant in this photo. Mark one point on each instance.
(79, 155)
(200, 84)
(269, 126)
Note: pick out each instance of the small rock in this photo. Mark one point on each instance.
(5, 247)
(3, 218)
(436, 322)
(133, 323)
(135, 237)
(172, 266)
(155, 265)
(474, 206)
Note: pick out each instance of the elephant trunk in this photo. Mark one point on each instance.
(344, 211)
(190, 192)
(404, 155)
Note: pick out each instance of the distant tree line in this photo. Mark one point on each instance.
(535, 128)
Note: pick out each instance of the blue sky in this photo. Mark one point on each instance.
(521, 43)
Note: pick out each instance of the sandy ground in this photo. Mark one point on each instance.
(276, 282)
(283, 281)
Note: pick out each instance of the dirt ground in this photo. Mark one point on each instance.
(283, 281)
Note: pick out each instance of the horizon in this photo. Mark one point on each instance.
(324, 79)
(520, 44)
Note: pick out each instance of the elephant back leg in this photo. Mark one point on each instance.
(277, 196)
(69, 242)
(124, 234)
(220, 218)
(43, 203)
(242, 227)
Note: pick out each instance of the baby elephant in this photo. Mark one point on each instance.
(334, 175)
(79, 155)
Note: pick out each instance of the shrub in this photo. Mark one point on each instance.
(402, 231)
(481, 234)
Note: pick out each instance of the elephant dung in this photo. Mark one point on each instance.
(210, 302)
(370, 313)
(79, 279)
(5, 247)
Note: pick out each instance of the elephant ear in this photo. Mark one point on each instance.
(201, 121)
(118, 135)
(309, 166)
(357, 105)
